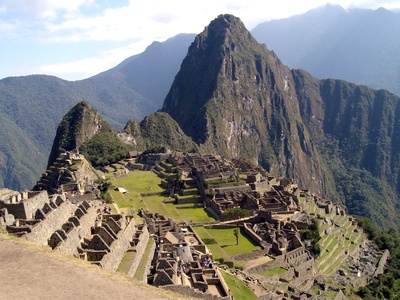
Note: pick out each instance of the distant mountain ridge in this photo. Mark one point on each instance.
(357, 45)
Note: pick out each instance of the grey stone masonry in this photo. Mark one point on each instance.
(112, 259)
(42, 231)
(72, 242)
(140, 245)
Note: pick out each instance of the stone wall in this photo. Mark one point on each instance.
(15, 209)
(254, 236)
(112, 259)
(6, 218)
(35, 201)
(42, 231)
(139, 248)
(70, 245)
(84, 197)
(249, 256)
(29, 203)
(190, 292)
(148, 263)
(296, 256)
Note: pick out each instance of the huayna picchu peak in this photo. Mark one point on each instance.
(235, 98)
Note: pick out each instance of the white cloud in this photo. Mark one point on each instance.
(137, 22)
(88, 67)
(44, 8)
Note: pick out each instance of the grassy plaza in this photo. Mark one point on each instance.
(144, 190)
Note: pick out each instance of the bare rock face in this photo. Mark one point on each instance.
(235, 98)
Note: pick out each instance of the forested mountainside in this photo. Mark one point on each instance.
(357, 45)
(33, 106)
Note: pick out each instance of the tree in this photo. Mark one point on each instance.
(235, 213)
(236, 234)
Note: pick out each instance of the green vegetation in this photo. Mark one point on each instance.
(235, 213)
(126, 262)
(313, 234)
(144, 190)
(364, 194)
(104, 149)
(143, 262)
(387, 285)
(225, 242)
(160, 130)
(273, 272)
(239, 290)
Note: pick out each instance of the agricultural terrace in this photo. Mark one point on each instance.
(336, 246)
(144, 190)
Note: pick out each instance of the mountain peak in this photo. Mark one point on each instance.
(211, 59)
(235, 98)
(80, 124)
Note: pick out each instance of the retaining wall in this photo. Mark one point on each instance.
(139, 248)
(70, 245)
(42, 231)
(112, 259)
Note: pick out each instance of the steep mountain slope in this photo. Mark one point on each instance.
(357, 45)
(32, 106)
(155, 131)
(356, 130)
(83, 128)
(235, 98)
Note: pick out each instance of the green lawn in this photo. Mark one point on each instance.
(238, 289)
(225, 245)
(273, 272)
(138, 183)
(143, 182)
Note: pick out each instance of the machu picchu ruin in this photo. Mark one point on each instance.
(301, 246)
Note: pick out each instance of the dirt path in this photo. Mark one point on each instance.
(29, 272)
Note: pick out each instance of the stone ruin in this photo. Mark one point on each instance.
(70, 175)
(182, 260)
(79, 228)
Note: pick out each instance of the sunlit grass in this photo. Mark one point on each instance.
(273, 272)
(237, 287)
(226, 242)
(139, 274)
(139, 183)
(126, 262)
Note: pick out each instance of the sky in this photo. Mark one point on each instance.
(76, 39)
